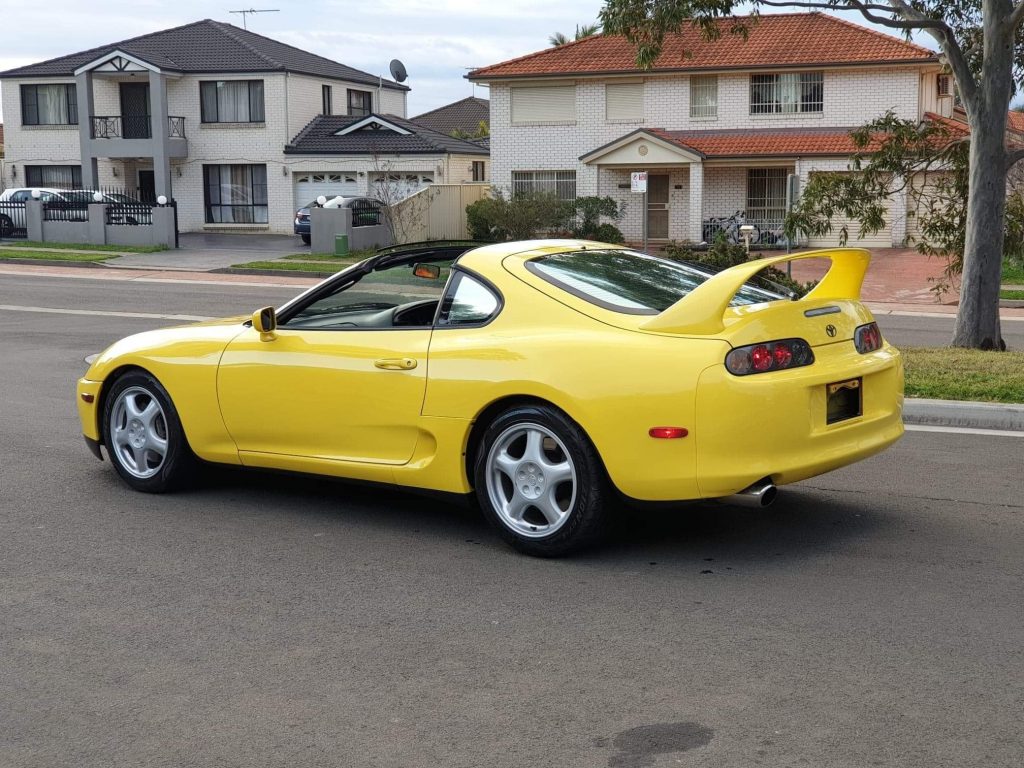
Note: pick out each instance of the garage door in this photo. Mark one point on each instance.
(880, 239)
(309, 186)
(398, 186)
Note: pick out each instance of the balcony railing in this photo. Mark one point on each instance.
(133, 127)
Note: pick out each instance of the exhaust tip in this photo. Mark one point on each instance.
(761, 494)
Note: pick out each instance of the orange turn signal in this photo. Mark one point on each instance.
(87, 397)
(668, 433)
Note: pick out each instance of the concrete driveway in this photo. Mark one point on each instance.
(203, 251)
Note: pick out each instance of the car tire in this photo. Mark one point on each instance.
(307, 239)
(6, 226)
(144, 437)
(541, 483)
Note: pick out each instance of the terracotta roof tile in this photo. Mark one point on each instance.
(1014, 122)
(775, 40)
(783, 142)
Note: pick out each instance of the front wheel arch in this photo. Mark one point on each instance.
(108, 382)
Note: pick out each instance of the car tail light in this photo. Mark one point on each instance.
(867, 338)
(769, 356)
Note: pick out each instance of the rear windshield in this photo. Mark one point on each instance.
(631, 282)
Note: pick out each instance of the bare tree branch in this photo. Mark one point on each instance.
(1013, 157)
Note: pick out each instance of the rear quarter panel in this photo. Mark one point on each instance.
(615, 383)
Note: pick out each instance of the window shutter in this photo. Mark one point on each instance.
(544, 104)
(624, 101)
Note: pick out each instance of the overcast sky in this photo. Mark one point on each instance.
(438, 40)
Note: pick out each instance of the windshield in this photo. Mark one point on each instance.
(632, 282)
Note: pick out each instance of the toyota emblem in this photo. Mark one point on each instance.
(830, 330)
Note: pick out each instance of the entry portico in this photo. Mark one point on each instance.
(140, 130)
(669, 166)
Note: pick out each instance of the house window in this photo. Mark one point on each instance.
(235, 194)
(562, 184)
(704, 96)
(51, 104)
(766, 196)
(55, 176)
(360, 103)
(479, 169)
(544, 104)
(326, 91)
(942, 85)
(788, 93)
(231, 101)
(624, 102)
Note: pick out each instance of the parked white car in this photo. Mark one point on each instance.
(123, 209)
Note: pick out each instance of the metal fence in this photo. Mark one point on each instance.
(12, 220)
(366, 213)
(66, 210)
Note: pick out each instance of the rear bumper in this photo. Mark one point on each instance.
(301, 227)
(774, 425)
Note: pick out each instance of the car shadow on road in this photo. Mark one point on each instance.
(803, 523)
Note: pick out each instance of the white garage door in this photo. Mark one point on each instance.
(880, 239)
(309, 186)
(398, 186)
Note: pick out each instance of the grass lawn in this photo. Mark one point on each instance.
(294, 266)
(1016, 295)
(349, 258)
(14, 253)
(32, 244)
(965, 374)
(1013, 273)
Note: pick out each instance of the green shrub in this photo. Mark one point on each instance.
(606, 233)
(519, 217)
(722, 254)
(1013, 245)
(589, 211)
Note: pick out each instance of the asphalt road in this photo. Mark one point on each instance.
(873, 616)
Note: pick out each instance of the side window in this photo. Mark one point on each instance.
(403, 295)
(20, 197)
(467, 302)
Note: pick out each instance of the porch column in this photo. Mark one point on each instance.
(83, 92)
(694, 228)
(161, 154)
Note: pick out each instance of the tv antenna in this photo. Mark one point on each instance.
(245, 14)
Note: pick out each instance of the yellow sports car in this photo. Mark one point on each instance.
(545, 377)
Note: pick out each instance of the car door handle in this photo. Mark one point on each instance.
(396, 363)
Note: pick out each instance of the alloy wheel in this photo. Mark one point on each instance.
(138, 432)
(531, 480)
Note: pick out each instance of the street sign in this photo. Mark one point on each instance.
(638, 181)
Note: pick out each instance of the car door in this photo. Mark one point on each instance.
(343, 377)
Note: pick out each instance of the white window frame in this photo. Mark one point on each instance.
(525, 113)
(561, 183)
(787, 93)
(624, 102)
(704, 97)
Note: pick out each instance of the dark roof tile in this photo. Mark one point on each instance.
(208, 46)
(464, 115)
(318, 138)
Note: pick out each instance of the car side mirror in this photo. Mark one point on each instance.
(427, 271)
(265, 322)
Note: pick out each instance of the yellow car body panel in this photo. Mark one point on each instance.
(315, 401)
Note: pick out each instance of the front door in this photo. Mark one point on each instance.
(135, 111)
(345, 375)
(657, 206)
(147, 187)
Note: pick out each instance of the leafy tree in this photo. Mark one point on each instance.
(983, 47)
(587, 30)
(482, 132)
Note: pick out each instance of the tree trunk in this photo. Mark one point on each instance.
(977, 321)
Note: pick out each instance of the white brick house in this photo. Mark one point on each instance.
(718, 125)
(201, 113)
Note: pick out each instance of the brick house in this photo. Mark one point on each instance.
(718, 125)
(201, 113)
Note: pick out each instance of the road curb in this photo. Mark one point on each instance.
(964, 414)
(270, 272)
(52, 262)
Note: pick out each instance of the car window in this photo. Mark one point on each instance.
(404, 295)
(20, 197)
(467, 302)
(631, 282)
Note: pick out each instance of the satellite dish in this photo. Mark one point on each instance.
(398, 71)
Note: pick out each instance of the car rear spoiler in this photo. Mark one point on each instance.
(701, 312)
